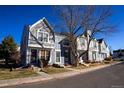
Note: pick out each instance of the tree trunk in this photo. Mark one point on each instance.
(76, 61)
(74, 52)
(88, 46)
(87, 54)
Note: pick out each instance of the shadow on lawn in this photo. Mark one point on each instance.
(10, 66)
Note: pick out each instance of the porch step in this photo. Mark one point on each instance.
(36, 69)
(43, 74)
(68, 66)
(87, 65)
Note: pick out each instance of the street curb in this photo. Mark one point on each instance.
(10, 82)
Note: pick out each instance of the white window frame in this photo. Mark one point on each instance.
(47, 37)
(82, 42)
(95, 45)
(60, 57)
(43, 32)
(45, 53)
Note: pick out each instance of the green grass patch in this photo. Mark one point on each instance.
(6, 74)
(54, 70)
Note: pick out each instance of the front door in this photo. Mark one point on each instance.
(67, 56)
(94, 56)
(33, 56)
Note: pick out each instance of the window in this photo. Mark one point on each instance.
(103, 48)
(43, 37)
(42, 54)
(66, 42)
(94, 55)
(105, 55)
(82, 42)
(95, 45)
(40, 36)
(45, 54)
(57, 56)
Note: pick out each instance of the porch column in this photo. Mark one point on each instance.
(51, 60)
(28, 56)
(39, 54)
(50, 57)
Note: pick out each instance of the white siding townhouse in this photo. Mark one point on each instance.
(40, 41)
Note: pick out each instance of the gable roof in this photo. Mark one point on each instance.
(100, 40)
(47, 23)
(44, 20)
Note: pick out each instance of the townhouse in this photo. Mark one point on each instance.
(118, 54)
(40, 42)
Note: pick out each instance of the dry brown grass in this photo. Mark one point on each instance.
(6, 74)
(54, 70)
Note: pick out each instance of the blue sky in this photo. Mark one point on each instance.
(13, 18)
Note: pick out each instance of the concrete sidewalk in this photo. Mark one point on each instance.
(44, 76)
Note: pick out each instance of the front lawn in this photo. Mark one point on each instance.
(6, 74)
(54, 70)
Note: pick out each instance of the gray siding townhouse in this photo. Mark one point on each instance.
(40, 41)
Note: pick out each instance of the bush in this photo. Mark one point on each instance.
(108, 58)
(57, 66)
(107, 62)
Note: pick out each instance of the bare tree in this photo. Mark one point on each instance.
(97, 21)
(70, 20)
(78, 19)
